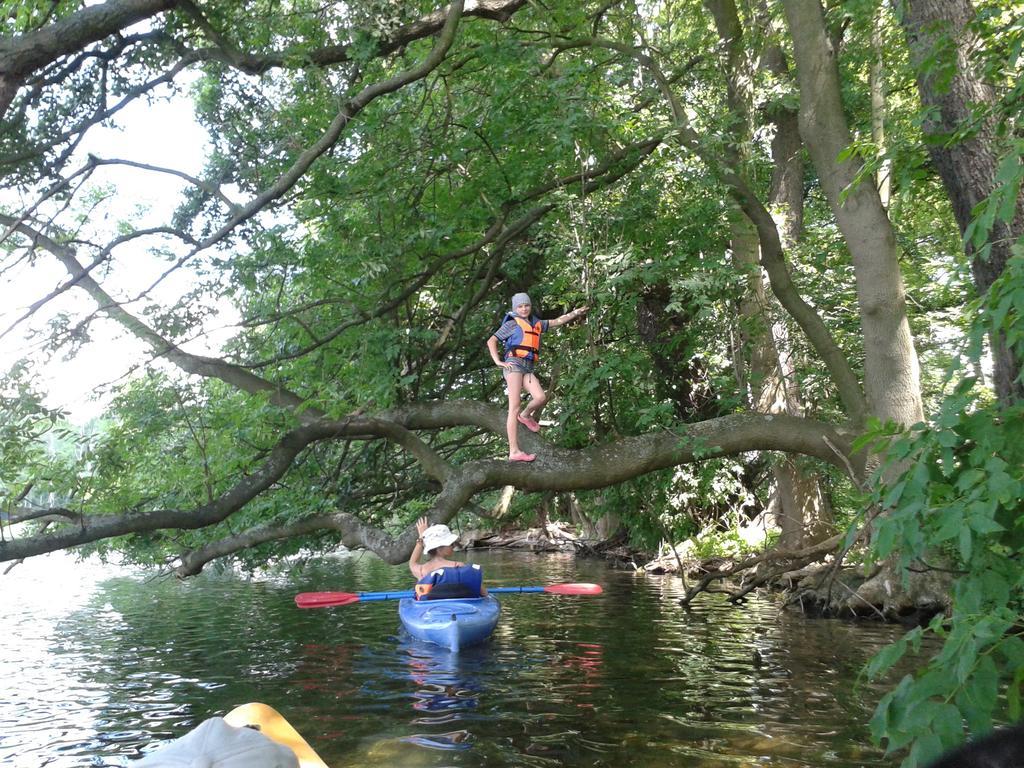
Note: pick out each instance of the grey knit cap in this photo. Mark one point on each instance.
(520, 298)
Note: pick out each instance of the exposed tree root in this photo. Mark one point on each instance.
(758, 570)
(817, 583)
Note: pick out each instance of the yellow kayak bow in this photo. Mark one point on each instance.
(272, 724)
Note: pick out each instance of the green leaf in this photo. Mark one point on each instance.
(1013, 694)
(884, 540)
(966, 659)
(966, 543)
(947, 522)
(1012, 647)
(1008, 202)
(925, 750)
(1009, 169)
(985, 525)
(883, 661)
(948, 725)
(977, 699)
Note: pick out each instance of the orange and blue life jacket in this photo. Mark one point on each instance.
(462, 581)
(525, 341)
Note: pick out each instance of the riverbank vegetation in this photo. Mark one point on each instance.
(798, 229)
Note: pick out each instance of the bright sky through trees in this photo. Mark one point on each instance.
(77, 382)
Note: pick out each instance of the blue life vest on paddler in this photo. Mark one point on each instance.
(464, 581)
(525, 341)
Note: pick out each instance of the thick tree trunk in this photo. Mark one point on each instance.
(787, 191)
(891, 372)
(803, 514)
(769, 390)
(804, 507)
(787, 188)
(967, 166)
(607, 525)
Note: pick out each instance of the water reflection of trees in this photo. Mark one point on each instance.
(567, 680)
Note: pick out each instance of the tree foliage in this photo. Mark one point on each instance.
(381, 177)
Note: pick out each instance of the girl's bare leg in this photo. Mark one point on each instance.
(514, 381)
(538, 397)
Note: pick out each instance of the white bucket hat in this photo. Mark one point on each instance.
(438, 536)
(215, 744)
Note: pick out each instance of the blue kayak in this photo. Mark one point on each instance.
(452, 623)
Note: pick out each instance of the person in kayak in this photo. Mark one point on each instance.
(520, 332)
(441, 577)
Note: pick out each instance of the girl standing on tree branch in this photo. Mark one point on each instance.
(520, 332)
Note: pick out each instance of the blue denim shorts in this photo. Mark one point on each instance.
(519, 365)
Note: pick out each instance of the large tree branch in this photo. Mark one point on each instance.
(354, 532)
(92, 528)
(561, 469)
(20, 56)
(557, 469)
(425, 26)
(199, 365)
(84, 529)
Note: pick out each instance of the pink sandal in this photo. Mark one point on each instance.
(529, 423)
(521, 456)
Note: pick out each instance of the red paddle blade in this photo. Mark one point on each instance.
(325, 599)
(574, 589)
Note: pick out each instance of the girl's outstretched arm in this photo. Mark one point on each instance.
(568, 317)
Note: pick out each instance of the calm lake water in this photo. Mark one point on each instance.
(101, 665)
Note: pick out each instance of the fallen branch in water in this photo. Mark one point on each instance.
(786, 560)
